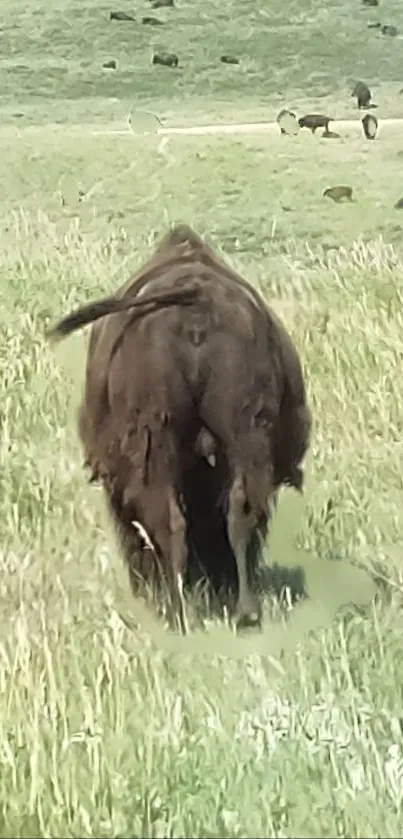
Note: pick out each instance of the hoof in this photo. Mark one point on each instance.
(248, 622)
(247, 618)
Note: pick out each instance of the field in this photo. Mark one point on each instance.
(291, 55)
(109, 725)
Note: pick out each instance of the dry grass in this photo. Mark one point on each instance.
(108, 726)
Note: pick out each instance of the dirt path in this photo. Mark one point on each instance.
(248, 128)
(264, 127)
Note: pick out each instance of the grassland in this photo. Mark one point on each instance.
(108, 725)
(51, 58)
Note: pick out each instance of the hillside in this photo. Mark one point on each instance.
(52, 56)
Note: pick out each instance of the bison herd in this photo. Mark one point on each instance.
(194, 416)
(164, 59)
(289, 124)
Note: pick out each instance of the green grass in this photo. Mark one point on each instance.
(109, 725)
(291, 54)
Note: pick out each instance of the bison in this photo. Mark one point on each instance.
(314, 121)
(120, 16)
(161, 4)
(363, 94)
(165, 59)
(194, 414)
(287, 122)
(229, 59)
(152, 21)
(370, 126)
(337, 193)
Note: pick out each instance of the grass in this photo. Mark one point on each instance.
(109, 726)
(295, 54)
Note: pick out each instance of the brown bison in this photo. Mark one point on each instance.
(165, 59)
(337, 193)
(229, 59)
(314, 121)
(120, 16)
(194, 414)
(364, 95)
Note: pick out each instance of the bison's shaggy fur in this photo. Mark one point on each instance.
(194, 414)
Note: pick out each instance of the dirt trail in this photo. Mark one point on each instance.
(248, 127)
(262, 127)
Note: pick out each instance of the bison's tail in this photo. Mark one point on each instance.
(184, 296)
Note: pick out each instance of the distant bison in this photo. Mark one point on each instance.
(166, 59)
(370, 126)
(314, 121)
(229, 59)
(337, 193)
(152, 21)
(194, 415)
(121, 16)
(363, 94)
(388, 29)
(110, 64)
(370, 2)
(162, 4)
(287, 122)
